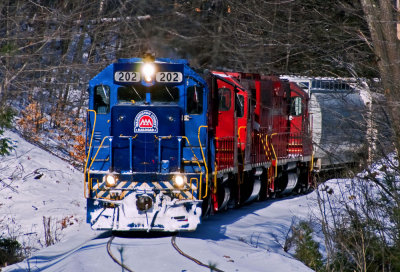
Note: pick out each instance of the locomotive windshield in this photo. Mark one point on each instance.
(165, 94)
(158, 93)
(129, 93)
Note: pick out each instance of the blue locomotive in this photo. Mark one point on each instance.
(147, 146)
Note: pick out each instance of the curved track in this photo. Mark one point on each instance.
(173, 242)
(113, 257)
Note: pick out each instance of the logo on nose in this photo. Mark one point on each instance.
(146, 122)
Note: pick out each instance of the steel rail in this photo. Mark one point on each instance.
(173, 242)
(113, 257)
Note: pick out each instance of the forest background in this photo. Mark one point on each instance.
(49, 50)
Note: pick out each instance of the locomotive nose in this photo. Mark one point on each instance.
(144, 138)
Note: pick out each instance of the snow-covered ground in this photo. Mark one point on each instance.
(35, 184)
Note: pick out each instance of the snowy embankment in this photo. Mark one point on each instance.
(38, 188)
(36, 185)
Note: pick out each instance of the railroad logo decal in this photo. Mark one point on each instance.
(146, 122)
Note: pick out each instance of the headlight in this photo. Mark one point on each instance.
(179, 181)
(111, 180)
(148, 71)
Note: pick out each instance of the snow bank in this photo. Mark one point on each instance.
(34, 185)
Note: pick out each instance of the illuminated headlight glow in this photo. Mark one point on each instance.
(148, 72)
(179, 181)
(111, 180)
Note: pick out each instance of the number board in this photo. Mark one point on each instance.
(169, 77)
(130, 73)
(125, 76)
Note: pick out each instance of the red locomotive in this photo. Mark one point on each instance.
(263, 138)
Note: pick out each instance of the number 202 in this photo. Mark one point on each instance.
(168, 77)
(127, 76)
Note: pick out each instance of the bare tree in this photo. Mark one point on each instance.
(381, 18)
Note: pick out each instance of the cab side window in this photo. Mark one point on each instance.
(224, 97)
(253, 98)
(296, 106)
(195, 100)
(239, 105)
(101, 99)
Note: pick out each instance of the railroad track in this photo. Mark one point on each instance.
(173, 243)
(113, 257)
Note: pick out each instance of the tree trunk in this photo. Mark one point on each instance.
(380, 16)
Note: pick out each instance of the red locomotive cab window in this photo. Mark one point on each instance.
(239, 105)
(253, 98)
(224, 97)
(296, 106)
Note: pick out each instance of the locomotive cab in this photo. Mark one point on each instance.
(299, 143)
(146, 146)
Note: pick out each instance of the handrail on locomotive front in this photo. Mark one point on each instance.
(205, 164)
(196, 160)
(94, 158)
(89, 151)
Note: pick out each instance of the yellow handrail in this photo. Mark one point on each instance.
(276, 158)
(94, 158)
(127, 137)
(186, 138)
(204, 161)
(312, 162)
(163, 137)
(241, 153)
(198, 163)
(91, 185)
(90, 147)
(215, 177)
(265, 145)
(242, 127)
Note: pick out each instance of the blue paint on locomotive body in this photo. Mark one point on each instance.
(145, 134)
(145, 146)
